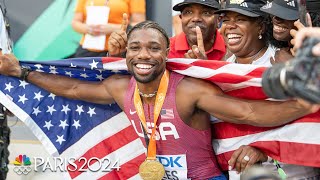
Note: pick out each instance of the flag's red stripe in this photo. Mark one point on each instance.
(248, 93)
(229, 78)
(285, 152)
(225, 130)
(110, 59)
(127, 170)
(177, 66)
(103, 148)
(257, 72)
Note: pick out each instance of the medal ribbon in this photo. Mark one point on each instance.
(161, 94)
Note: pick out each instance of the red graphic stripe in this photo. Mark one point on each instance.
(127, 170)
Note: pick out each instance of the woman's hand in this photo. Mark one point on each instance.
(245, 157)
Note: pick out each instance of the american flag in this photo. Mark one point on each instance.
(70, 128)
(294, 143)
(76, 129)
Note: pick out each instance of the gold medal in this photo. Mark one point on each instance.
(151, 170)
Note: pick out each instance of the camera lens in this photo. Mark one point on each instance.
(271, 83)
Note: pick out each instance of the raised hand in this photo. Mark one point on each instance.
(117, 42)
(245, 157)
(197, 51)
(304, 33)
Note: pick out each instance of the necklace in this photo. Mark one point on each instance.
(147, 95)
(252, 57)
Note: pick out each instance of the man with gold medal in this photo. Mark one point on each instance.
(168, 109)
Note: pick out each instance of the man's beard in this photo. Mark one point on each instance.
(146, 79)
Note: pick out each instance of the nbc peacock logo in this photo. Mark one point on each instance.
(22, 165)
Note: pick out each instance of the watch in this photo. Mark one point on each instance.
(24, 73)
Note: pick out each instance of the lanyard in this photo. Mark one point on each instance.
(92, 3)
(161, 94)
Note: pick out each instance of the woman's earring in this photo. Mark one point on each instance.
(260, 36)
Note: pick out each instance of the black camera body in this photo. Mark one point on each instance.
(299, 77)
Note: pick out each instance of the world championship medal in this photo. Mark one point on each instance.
(151, 170)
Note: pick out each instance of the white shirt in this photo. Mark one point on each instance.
(263, 60)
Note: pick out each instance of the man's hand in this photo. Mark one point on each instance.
(300, 35)
(197, 51)
(118, 40)
(9, 65)
(245, 157)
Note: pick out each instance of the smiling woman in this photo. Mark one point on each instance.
(246, 31)
(283, 17)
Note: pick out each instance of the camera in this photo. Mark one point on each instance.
(299, 77)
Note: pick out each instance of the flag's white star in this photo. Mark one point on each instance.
(79, 109)
(69, 73)
(38, 96)
(8, 87)
(52, 68)
(65, 109)
(48, 125)
(63, 124)
(71, 65)
(84, 75)
(23, 84)
(53, 71)
(52, 96)
(94, 64)
(51, 109)
(99, 77)
(76, 124)
(100, 70)
(38, 66)
(60, 139)
(36, 111)
(22, 99)
(91, 111)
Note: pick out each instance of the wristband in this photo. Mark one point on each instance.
(24, 73)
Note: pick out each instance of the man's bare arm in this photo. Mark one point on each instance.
(61, 85)
(253, 112)
(95, 92)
